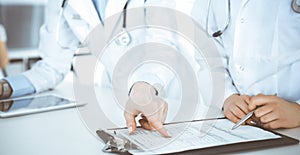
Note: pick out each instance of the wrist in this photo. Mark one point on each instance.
(142, 92)
(6, 89)
(229, 100)
(142, 86)
(297, 108)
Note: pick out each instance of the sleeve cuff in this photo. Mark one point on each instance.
(150, 79)
(20, 85)
(156, 75)
(298, 101)
(229, 90)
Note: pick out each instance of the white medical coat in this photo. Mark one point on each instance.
(261, 47)
(266, 49)
(79, 19)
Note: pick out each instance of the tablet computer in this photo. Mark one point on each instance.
(34, 104)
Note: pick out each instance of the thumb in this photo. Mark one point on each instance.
(130, 122)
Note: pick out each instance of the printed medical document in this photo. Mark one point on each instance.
(194, 135)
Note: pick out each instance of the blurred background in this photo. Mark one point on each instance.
(21, 20)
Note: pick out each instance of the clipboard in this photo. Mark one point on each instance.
(118, 144)
(244, 146)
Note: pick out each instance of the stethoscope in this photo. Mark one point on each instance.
(218, 33)
(295, 5)
(57, 31)
(125, 38)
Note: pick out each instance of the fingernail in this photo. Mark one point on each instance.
(168, 135)
(130, 129)
(252, 122)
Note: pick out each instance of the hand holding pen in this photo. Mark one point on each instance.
(250, 117)
(272, 112)
(236, 107)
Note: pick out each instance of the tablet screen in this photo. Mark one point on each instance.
(13, 107)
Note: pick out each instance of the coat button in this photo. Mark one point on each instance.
(242, 20)
(240, 67)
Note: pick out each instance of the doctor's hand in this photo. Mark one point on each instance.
(236, 107)
(143, 100)
(274, 112)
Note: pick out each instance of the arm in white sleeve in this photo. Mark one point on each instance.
(56, 58)
(20, 84)
(230, 88)
(298, 101)
(200, 13)
(155, 74)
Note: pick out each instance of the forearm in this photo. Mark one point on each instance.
(297, 113)
(142, 92)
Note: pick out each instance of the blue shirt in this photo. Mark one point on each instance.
(20, 85)
(100, 6)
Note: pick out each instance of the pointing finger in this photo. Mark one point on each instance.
(130, 122)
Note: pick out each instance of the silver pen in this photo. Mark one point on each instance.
(244, 119)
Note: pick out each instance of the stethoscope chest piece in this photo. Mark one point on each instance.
(296, 6)
(124, 39)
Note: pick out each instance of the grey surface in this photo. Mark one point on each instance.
(57, 132)
(22, 23)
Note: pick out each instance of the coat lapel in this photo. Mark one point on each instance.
(86, 10)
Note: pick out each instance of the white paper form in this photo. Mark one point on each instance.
(194, 135)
